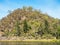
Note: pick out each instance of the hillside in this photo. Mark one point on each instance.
(30, 23)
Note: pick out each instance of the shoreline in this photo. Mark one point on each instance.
(42, 40)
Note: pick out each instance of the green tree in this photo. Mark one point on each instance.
(41, 30)
(7, 33)
(24, 8)
(25, 27)
(46, 27)
(17, 28)
(58, 33)
(29, 8)
(54, 31)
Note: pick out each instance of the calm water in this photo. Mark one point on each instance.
(28, 43)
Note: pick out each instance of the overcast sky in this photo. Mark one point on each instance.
(51, 7)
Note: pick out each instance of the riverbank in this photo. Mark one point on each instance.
(30, 42)
(41, 40)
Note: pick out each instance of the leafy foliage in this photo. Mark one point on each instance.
(27, 20)
(17, 28)
(26, 27)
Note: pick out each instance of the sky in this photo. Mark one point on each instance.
(51, 7)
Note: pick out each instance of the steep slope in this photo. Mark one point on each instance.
(34, 19)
